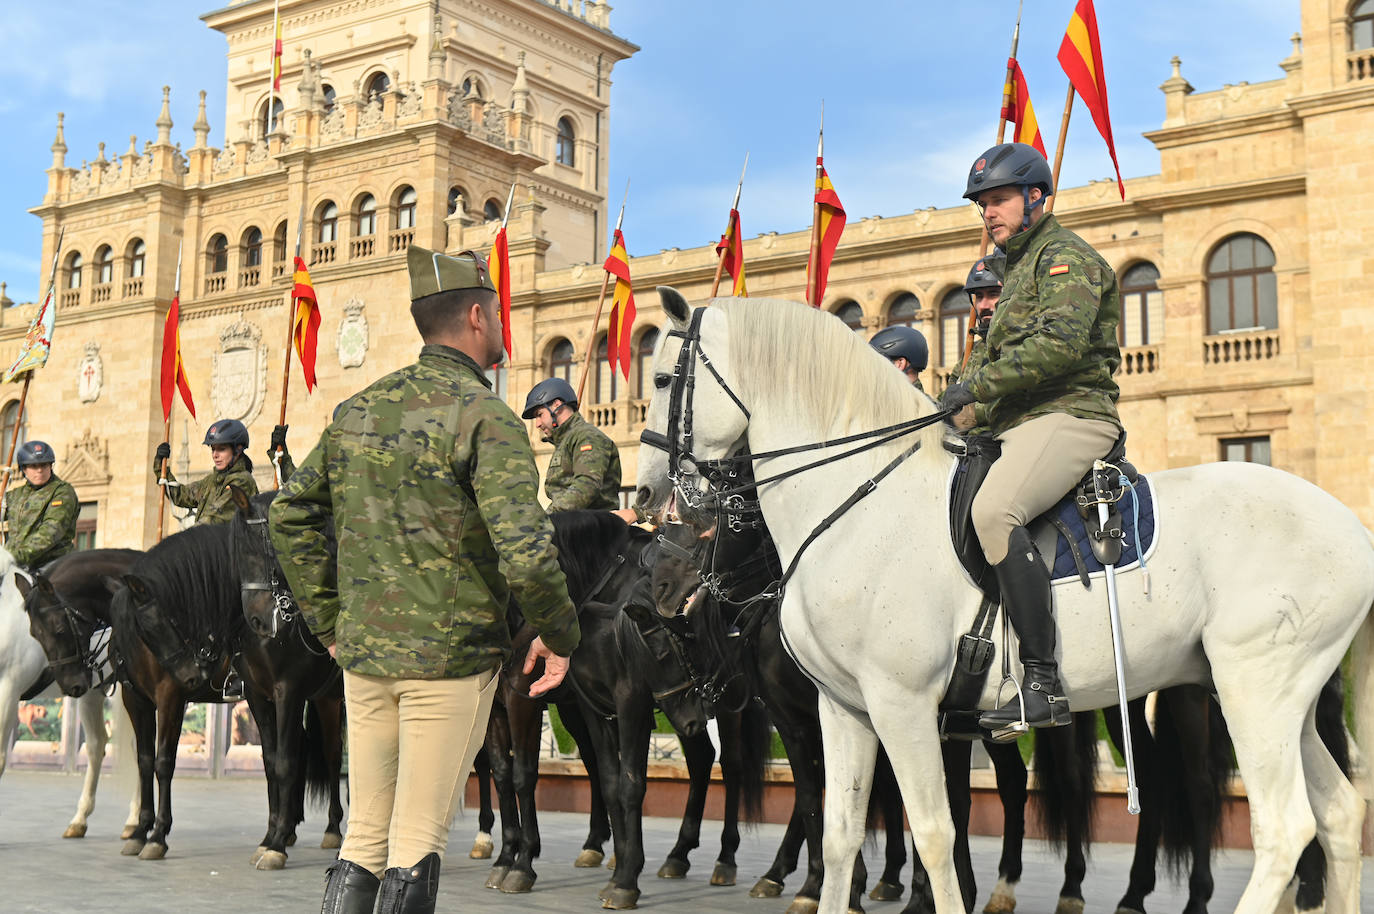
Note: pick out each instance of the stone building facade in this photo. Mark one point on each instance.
(1243, 263)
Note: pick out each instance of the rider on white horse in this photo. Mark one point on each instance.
(1045, 382)
(906, 348)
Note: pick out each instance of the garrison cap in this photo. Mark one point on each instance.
(432, 272)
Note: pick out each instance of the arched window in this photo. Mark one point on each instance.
(565, 144)
(851, 313)
(138, 255)
(252, 248)
(644, 364)
(405, 208)
(561, 360)
(607, 381)
(491, 210)
(367, 216)
(274, 122)
(217, 254)
(328, 219)
(104, 265)
(903, 310)
(473, 87)
(456, 196)
(1242, 290)
(74, 264)
(279, 243)
(9, 417)
(953, 327)
(1362, 25)
(378, 84)
(1142, 306)
(329, 95)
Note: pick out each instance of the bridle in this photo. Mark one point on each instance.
(203, 656)
(93, 658)
(285, 612)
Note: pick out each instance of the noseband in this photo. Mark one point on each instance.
(91, 658)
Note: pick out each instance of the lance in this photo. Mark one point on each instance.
(814, 270)
(10, 465)
(290, 338)
(503, 309)
(734, 207)
(1059, 149)
(272, 72)
(167, 420)
(601, 301)
(1001, 137)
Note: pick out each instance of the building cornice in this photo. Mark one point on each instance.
(1285, 186)
(1222, 128)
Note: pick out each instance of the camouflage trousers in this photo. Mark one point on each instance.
(1042, 458)
(411, 744)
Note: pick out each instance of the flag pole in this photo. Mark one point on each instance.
(510, 198)
(1059, 150)
(290, 338)
(813, 259)
(272, 72)
(720, 264)
(167, 420)
(600, 303)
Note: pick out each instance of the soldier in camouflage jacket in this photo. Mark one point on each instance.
(1044, 379)
(431, 484)
(209, 497)
(584, 471)
(40, 515)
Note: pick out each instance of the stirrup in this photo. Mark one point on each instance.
(1012, 731)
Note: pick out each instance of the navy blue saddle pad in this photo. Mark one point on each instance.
(1138, 537)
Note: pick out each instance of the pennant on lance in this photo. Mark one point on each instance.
(622, 308)
(305, 324)
(1080, 54)
(1016, 108)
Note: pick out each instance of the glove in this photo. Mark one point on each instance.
(278, 438)
(163, 452)
(957, 396)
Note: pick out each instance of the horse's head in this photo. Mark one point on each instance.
(263, 589)
(693, 416)
(671, 676)
(63, 631)
(677, 569)
(190, 664)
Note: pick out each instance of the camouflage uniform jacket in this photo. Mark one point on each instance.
(976, 355)
(432, 487)
(209, 496)
(1052, 344)
(42, 521)
(584, 471)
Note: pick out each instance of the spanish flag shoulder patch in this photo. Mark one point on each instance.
(1059, 269)
(585, 448)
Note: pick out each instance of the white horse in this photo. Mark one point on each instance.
(1260, 583)
(22, 662)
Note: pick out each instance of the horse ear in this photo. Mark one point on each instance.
(113, 584)
(45, 587)
(638, 614)
(24, 585)
(240, 498)
(675, 306)
(137, 587)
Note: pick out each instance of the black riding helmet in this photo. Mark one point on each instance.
(901, 342)
(545, 392)
(1011, 165)
(33, 453)
(982, 276)
(227, 431)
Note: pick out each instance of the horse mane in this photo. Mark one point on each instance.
(826, 368)
(585, 541)
(191, 575)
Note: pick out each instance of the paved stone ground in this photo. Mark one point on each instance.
(218, 824)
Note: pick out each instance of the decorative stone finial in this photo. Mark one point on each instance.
(59, 144)
(100, 157)
(1297, 43)
(520, 91)
(5, 300)
(436, 49)
(164, 118)
(1176, 82)
(202, 125)
(133, 145)
(307, 83)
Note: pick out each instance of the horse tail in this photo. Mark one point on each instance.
(1208, 768)
(1064, 794)
(756, 739)
(317, 780)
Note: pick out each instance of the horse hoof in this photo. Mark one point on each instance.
(332, 840)
(766, 888)
(75, 831)
(589, 858)
(1069, 906)
(271, 860)
(618, 899)
(132, 847)
(610, 862)
(803, 905)
(497, 876)
(482, 847)
(723, 874)
(1126, 910)
(673, 868)
(153, 851)
(517, 882)
(885, 891)
(605, 891)
(257, 855)
(128, 832)
(1003, 899)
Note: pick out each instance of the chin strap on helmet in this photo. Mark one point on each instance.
(1026, 210)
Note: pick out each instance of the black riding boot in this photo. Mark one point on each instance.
(1025, 585)
(349, 889)
(410, 889)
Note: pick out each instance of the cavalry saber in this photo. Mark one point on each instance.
(1119, 656)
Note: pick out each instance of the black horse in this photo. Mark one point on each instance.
(180, 606)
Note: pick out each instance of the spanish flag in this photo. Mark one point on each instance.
(623, 310)
(305, 325)
(276, 54)
(1080, 54)
(173, 369)
(498, 264)
(731, 250)
(830, 217)
(1016, 107)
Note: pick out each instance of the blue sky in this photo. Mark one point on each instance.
(911, 93)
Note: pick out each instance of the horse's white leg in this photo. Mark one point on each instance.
(1339, 810)
(92, 709)
(851, 749)
(126, 760)
(909, 733)
(9, 718)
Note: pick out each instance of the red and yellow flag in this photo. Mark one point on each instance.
(276, 58)
(623, 310)
(173, 369)
(1016, 107)
(305, 325)
(731, 250)
(1080, 54)
(498, 265)
(830, 217)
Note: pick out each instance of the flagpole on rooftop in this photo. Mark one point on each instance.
(167, 419)
(601, 302)
(729, 223)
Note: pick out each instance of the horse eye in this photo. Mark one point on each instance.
(663, 381)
